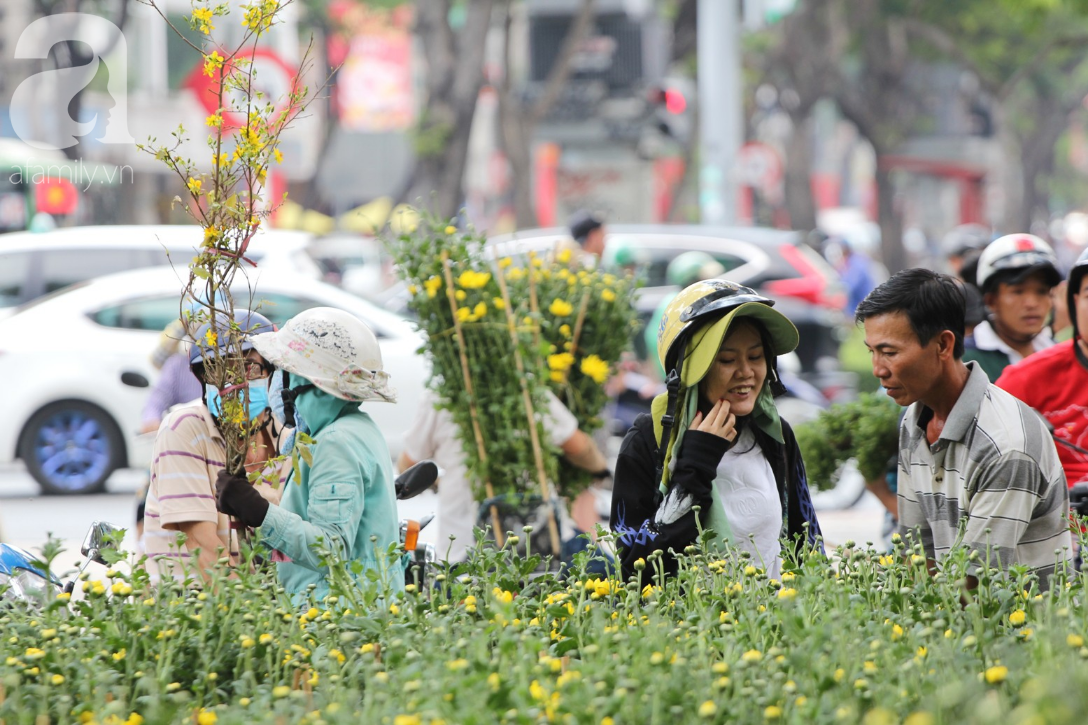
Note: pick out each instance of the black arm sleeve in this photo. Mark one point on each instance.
(643, 520)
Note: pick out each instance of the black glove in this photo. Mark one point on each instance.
(236, 497)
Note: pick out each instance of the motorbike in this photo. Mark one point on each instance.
(23, 580)
(419, 558)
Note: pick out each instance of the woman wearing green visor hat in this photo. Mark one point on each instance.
(715, 439)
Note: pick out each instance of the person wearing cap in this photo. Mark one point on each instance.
(977, 467)
(1055, 381)
(190, 451)
(1016, 274)
(327, 362)
(962, 246)
(714, 439)
(587, 228)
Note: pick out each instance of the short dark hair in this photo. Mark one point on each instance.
(933, 303)
(582, 222)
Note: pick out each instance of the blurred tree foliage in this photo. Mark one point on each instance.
(1028, 57)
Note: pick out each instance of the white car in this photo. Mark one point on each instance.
(35, 264)
(77, 368)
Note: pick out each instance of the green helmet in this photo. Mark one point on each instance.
(624, 254)
(691, 267)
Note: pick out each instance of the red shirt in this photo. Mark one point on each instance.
(1055, 382)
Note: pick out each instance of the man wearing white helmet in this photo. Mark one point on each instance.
(1016, 274)
(330, 362)
(1055, 382)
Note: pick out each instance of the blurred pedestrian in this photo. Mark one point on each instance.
(728, 451)
(588, 230)
(1016, 274)
(962, 246)
(856, 272)
(1055, 381)
(328, 362)
(977, 468)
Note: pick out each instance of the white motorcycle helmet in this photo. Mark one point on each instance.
(1012, 258)
(332, 349)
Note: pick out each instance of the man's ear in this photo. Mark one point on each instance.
(946, 344)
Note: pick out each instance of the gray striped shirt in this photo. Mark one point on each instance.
(992, 482)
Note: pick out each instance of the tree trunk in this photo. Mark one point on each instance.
(891, 221)
(1011, 177)
(518, 120)
(1037, 160)
(517, 146)
(798, 182)
(438, 181)
(455, 75)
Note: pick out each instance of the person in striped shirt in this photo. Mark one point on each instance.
(189, 453)
(977, 467)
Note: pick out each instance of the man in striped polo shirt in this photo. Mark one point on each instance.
(189, 454)
(977, 468)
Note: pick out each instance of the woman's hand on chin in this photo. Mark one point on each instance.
(719, 421)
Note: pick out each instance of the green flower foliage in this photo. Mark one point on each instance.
(502, 646)
(497, 398)
(866, 429)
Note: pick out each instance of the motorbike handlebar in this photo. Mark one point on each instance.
(415, 480)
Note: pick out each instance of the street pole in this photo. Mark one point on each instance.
(720, 109)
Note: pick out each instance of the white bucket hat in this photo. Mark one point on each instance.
(332, 349)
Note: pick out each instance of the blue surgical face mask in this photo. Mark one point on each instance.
(256, 391)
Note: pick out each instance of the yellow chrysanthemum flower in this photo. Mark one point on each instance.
(560, 308)
(594, 367)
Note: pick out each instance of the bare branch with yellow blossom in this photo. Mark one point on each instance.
(224, 193)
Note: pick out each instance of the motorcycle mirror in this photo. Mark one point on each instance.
(100, 536)
(415, 480)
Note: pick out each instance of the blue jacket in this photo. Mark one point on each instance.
(344, 499)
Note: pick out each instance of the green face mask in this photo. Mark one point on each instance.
(314, 406)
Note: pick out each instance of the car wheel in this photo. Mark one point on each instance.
(71, 447)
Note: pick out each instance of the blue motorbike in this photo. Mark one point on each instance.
(22, 578)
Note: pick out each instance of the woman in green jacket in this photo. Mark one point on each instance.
(344, 502)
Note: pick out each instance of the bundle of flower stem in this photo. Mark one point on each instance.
(485, 368)
(586, 319)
